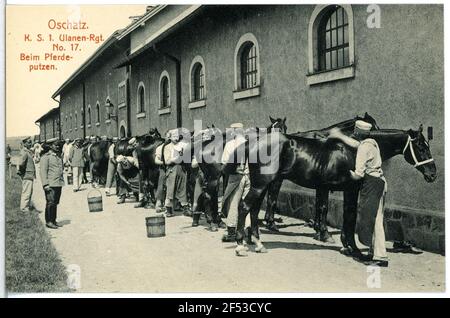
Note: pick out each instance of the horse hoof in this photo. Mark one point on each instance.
(329, 240)
(261, 249)
(241, 251)
(272, 227)
(345, 251)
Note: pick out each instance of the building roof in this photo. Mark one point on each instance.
(112, 39)
(146, 16)
(169, 28)
(105, 45)
(48, 114)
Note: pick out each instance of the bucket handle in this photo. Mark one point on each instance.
(93, 190)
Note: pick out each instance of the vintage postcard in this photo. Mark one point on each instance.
(200, 148)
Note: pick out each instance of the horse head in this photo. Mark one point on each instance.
(417, 153)
(277, 124)
(154, 133)
(369, 119)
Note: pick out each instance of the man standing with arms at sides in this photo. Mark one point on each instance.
(111, 167)
(52, 182)
(370, 226)
(76, 161)
(27, 172)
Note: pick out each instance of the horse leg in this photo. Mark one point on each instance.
(245, 207)
(272, 197)
(349, 222)
(322, 209)
(254, 224)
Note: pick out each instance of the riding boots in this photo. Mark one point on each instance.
(196, 218)
(169, 212)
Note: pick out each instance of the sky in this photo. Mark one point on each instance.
(28, 93)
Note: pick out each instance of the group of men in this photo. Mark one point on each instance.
(172, 184)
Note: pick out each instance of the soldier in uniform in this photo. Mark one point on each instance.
(27, 172)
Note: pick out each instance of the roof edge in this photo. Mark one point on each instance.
(105, 45)
(141, 20)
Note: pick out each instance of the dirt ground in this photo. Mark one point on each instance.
(114, 254)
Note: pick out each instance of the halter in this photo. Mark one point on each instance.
(417, 163)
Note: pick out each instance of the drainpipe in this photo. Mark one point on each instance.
(177, 83)
(59, 121)
(84, 111)
(128, 100)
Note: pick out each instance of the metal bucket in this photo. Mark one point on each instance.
(95, 203)
(156, 226)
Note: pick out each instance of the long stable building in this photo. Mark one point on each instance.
(314, 64)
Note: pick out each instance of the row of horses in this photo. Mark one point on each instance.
(308, 159)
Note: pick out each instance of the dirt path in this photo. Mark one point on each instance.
(115, 255)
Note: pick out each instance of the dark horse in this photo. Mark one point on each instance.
(145, 152)
(318, 163)
(98, 159)
(148, 169)
(273, 189)
(213, 169)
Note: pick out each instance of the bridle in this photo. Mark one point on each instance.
(413, 155)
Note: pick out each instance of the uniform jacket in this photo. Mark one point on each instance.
(76, 157)
(52, 170)
(26, 168)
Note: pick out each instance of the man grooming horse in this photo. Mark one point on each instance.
(373, 190)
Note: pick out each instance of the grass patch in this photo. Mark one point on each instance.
(32, 263)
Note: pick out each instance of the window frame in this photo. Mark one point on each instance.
(122, 85)
(89, 115)
(322, 48)
(239, 91)
(140, 111)
(193, 101)
(314, 75)
(97, 110)
(164, 109)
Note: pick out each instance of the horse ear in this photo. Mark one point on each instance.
(272, 120)
(366, 115)
(420, 128)
(284, 120)
(213, 126)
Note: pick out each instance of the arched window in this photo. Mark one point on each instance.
(97, 109)
(331, 47)
(164, 90)
(66, 125)
(89, 116)
(198, 81)
(247, 66)
(333, 39)
(108, 109)
(70, 122)
(82, 117)
(141, 99)
(75, 121)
